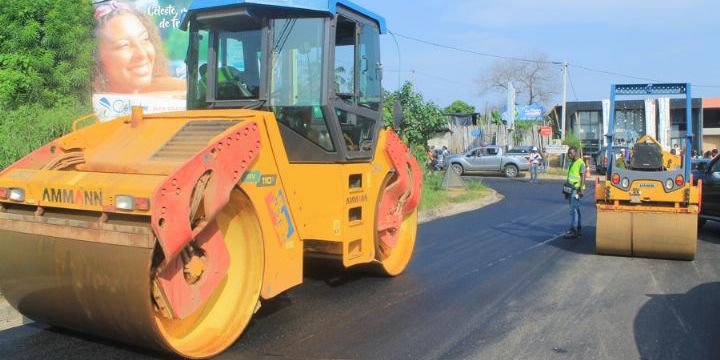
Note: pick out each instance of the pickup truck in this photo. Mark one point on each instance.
(488, 159)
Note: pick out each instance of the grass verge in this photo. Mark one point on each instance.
(433, 195)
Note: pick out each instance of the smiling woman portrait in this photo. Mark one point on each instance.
(129, 58)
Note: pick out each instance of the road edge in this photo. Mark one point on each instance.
(456, 209)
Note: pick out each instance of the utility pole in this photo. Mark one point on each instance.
(564, 108)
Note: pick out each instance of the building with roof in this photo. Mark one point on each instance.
(664, 119)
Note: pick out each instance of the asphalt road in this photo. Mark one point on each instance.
(497, 283)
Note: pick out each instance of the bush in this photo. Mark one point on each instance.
(31, 126)
(572, 140)
(46, 62)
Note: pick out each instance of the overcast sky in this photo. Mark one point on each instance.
(665, 40)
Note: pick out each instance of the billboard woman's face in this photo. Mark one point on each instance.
(127, 54)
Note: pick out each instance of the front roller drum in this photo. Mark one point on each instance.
(662, 235)
(106, 289)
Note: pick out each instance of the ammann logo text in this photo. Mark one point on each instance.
(77, 197)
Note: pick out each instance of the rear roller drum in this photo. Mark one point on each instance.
(393, 260)
(218, 323)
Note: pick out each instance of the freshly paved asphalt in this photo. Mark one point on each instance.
(497, 283)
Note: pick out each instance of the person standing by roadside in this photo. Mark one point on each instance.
(442, 157)
(544, 161)
(535, 159)
(574, 191)
(431, 158)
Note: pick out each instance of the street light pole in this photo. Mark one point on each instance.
(564, 108)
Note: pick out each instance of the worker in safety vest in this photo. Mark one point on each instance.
(576, 180)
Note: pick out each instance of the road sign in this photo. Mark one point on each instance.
(546, 131)
(557, 149)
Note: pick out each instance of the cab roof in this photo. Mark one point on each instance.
(322, 6)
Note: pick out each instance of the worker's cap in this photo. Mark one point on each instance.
(534, 149)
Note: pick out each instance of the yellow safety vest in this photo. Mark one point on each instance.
(574, 176)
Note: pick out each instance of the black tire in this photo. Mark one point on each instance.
(511, 171)
(458, 168)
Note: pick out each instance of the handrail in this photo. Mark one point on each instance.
(85, 118)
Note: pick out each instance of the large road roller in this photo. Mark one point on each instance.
(648, 207)
(167, 230)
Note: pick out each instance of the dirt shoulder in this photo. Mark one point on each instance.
(492, 197)
(9, 317)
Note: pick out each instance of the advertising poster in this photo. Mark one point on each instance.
(140, 58)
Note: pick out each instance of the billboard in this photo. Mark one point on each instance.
(140, 56)
(525, 113)
(530, 113)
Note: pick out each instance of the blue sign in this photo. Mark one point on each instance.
(530, 113)
(526, 113)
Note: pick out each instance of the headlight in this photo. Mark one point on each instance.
(669, 184)
(130, 203)
(16, 194)
(625, 182)
(124, 202)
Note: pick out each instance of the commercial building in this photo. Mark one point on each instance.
(664, 119)
(711, 124)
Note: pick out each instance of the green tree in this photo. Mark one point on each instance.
(46, 65)
(522, 128)
(460, 107)
(46, 51)
(572, 140)
(422, 118)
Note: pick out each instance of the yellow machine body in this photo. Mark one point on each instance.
(72, 258)
(648, 217)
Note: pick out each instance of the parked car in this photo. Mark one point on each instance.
(520, 151)
(710, 189)
(601, 160)
(488, 159)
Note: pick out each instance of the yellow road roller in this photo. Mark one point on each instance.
(648, 208)
(167, 230)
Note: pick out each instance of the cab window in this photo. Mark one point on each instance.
(345, 41)
(297, 48)
(238, 70)
(357, 131)
(357, 83)
(370, 72)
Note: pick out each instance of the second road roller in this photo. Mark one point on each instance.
(649, 207)
(168, 230)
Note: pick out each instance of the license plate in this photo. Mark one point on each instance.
(635, 196)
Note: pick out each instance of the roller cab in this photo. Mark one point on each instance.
(168, 230)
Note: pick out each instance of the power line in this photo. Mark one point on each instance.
(433, 76)
(473, 51)
(581, 67)
(551, 62)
